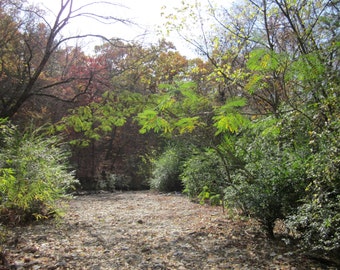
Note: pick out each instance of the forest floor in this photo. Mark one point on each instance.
(145, 230)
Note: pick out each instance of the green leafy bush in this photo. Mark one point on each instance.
(33, 174)
(167, 168)
(318, 219)
(273, 180)
(120, 181)
(203, 175)
(317, 222)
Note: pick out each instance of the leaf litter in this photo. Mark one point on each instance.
(146, 230)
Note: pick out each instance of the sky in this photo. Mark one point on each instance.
(145, 13)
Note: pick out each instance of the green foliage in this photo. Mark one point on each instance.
(307, 68)
(207, 195)
(151, 120)
(317, 222)
(174, 110)
(180, 109)
(167, 169)
(261, 63)
(318, 219)
(114, 181)
(273, 180)
(97, 119)
(121, 182)
(264, 60)
(33, 175)
(227, 118)
(203, 175)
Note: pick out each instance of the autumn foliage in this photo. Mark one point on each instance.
(251, 124)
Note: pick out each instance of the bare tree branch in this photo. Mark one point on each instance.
(35, 63)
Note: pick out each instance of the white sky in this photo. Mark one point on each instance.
(145, 13)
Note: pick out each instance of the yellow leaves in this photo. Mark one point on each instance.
(216, 42)
(253, 83)
(187, 124)
(151, 120)
(231, 122)
(39, 216)
(174, 111)
(198, 70)
(265, 61)
(227, 118)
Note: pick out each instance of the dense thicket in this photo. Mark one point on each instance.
(33, 175)
(253, 123)
(280, 155)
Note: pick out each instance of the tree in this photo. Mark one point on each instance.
(141, 68)
(283, 56)
(103, 122)
(29, 46)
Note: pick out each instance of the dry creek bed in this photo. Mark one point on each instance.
(145, 230)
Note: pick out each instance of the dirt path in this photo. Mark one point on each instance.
(143, 230)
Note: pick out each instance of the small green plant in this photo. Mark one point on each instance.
(108, 182)
(33, 174)
(211, 197)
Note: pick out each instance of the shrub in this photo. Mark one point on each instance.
(167, 168)
(33, 174)
(318, 219)
(120, 181)
(203, 175)
(317, 222)
(273, 180)
(107, 182)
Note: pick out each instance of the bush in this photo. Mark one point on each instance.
(167, 168)
(107, 182)
(120, 181)
(318, 219)
(273, 180)
(33, 174)
(318, 223)
(204, 176)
